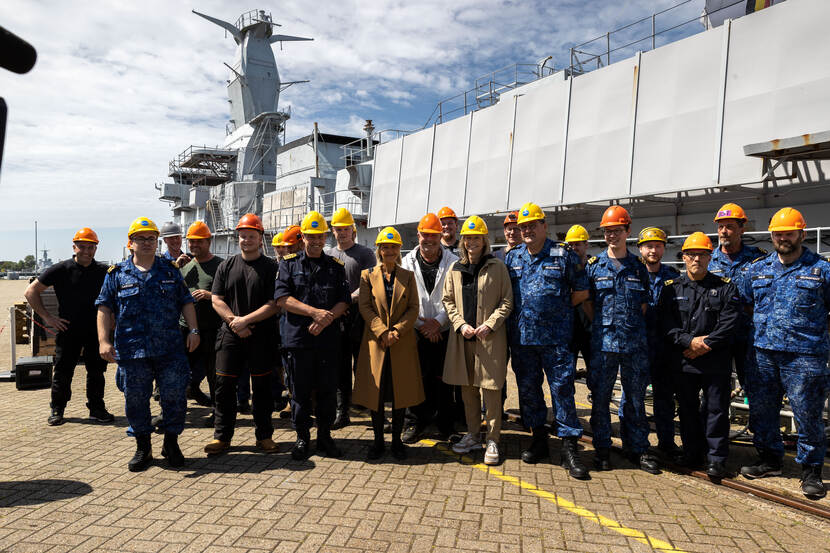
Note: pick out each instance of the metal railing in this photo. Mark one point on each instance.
(252, 17)
(329, 202)
(487, 90)
(626, 40)
(362, 149)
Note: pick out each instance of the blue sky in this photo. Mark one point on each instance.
(120, 89)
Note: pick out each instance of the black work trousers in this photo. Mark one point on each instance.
(312, 372)
(439, 404)
(202, 360)
(70, 346)
(704, 425)
(349, 348)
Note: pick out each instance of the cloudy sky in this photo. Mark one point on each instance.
(120, 88)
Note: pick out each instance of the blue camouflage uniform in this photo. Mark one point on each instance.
(660, 374)
(540, 328)
(791, 347)
(148, 342)
(619, 342)
(734, 267)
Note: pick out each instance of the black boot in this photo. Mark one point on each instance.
(570, 459)
(602, 459)
(171, 451)
(811, 484)
(767, 464)
(326, 445)
(376, 449)
(143, 454)
(538, 449)
(341, 419)
(398, 449)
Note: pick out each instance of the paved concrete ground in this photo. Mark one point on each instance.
(67, 489)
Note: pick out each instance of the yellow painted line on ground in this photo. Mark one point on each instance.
(654, 543)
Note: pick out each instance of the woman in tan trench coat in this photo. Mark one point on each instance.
(388, 368)
(478, 298)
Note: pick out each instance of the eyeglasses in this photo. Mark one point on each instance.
(612, 231)
(144, 239)
(698, 255)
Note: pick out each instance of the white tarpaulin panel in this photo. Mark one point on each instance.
(778, 82)
(677, 115)
(449, 164)
(599, 134)
(415, 168)
(489, 162)
(385, 183)
(536, 173)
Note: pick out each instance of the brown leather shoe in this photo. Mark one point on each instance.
(216, 447)
(267, 445)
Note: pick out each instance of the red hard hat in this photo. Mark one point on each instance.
(291, 235)
(615, 215)
(85, 234)
(446, 212)
(251, 221)
(429, 224)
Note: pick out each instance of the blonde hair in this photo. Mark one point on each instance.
(398, 261)
(465, 256)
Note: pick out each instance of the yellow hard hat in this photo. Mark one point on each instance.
(576, 233)
(473, 225)
(530, 212)
(652, 234)
(697, 241)
(342, 218)
(389, 236)
(314, 223)
(277, 240)
(142, 224)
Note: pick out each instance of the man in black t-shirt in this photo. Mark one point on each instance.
(77, 283)
(243, 296)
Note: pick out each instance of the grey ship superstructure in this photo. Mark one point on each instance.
(220, 184)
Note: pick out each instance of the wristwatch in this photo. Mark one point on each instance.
(194, 331)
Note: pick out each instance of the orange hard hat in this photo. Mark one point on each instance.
(512, 217)
(85, 234)
(731, 211)
(198, 231)
(251, 221)
(787, 219)
(615, 215)
(291, 235)
(430, 224)
(697, 241)
(446, 212)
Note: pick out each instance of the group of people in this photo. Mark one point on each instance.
(435, 329)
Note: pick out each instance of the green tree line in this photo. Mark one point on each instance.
(25, 264)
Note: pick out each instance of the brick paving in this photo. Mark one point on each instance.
(66, 488)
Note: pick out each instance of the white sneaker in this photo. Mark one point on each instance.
(491, 456)
(467, 444)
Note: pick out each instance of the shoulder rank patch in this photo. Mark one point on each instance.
(111, 268)
(757, 259)
(337, 260)
(289, 256)
(668, 282)
(592, 260)
(726, 279)
(763, 251)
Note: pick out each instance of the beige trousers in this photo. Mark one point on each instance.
(472, 401)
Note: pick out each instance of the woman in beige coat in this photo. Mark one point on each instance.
(388, 368)
(478, 298)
